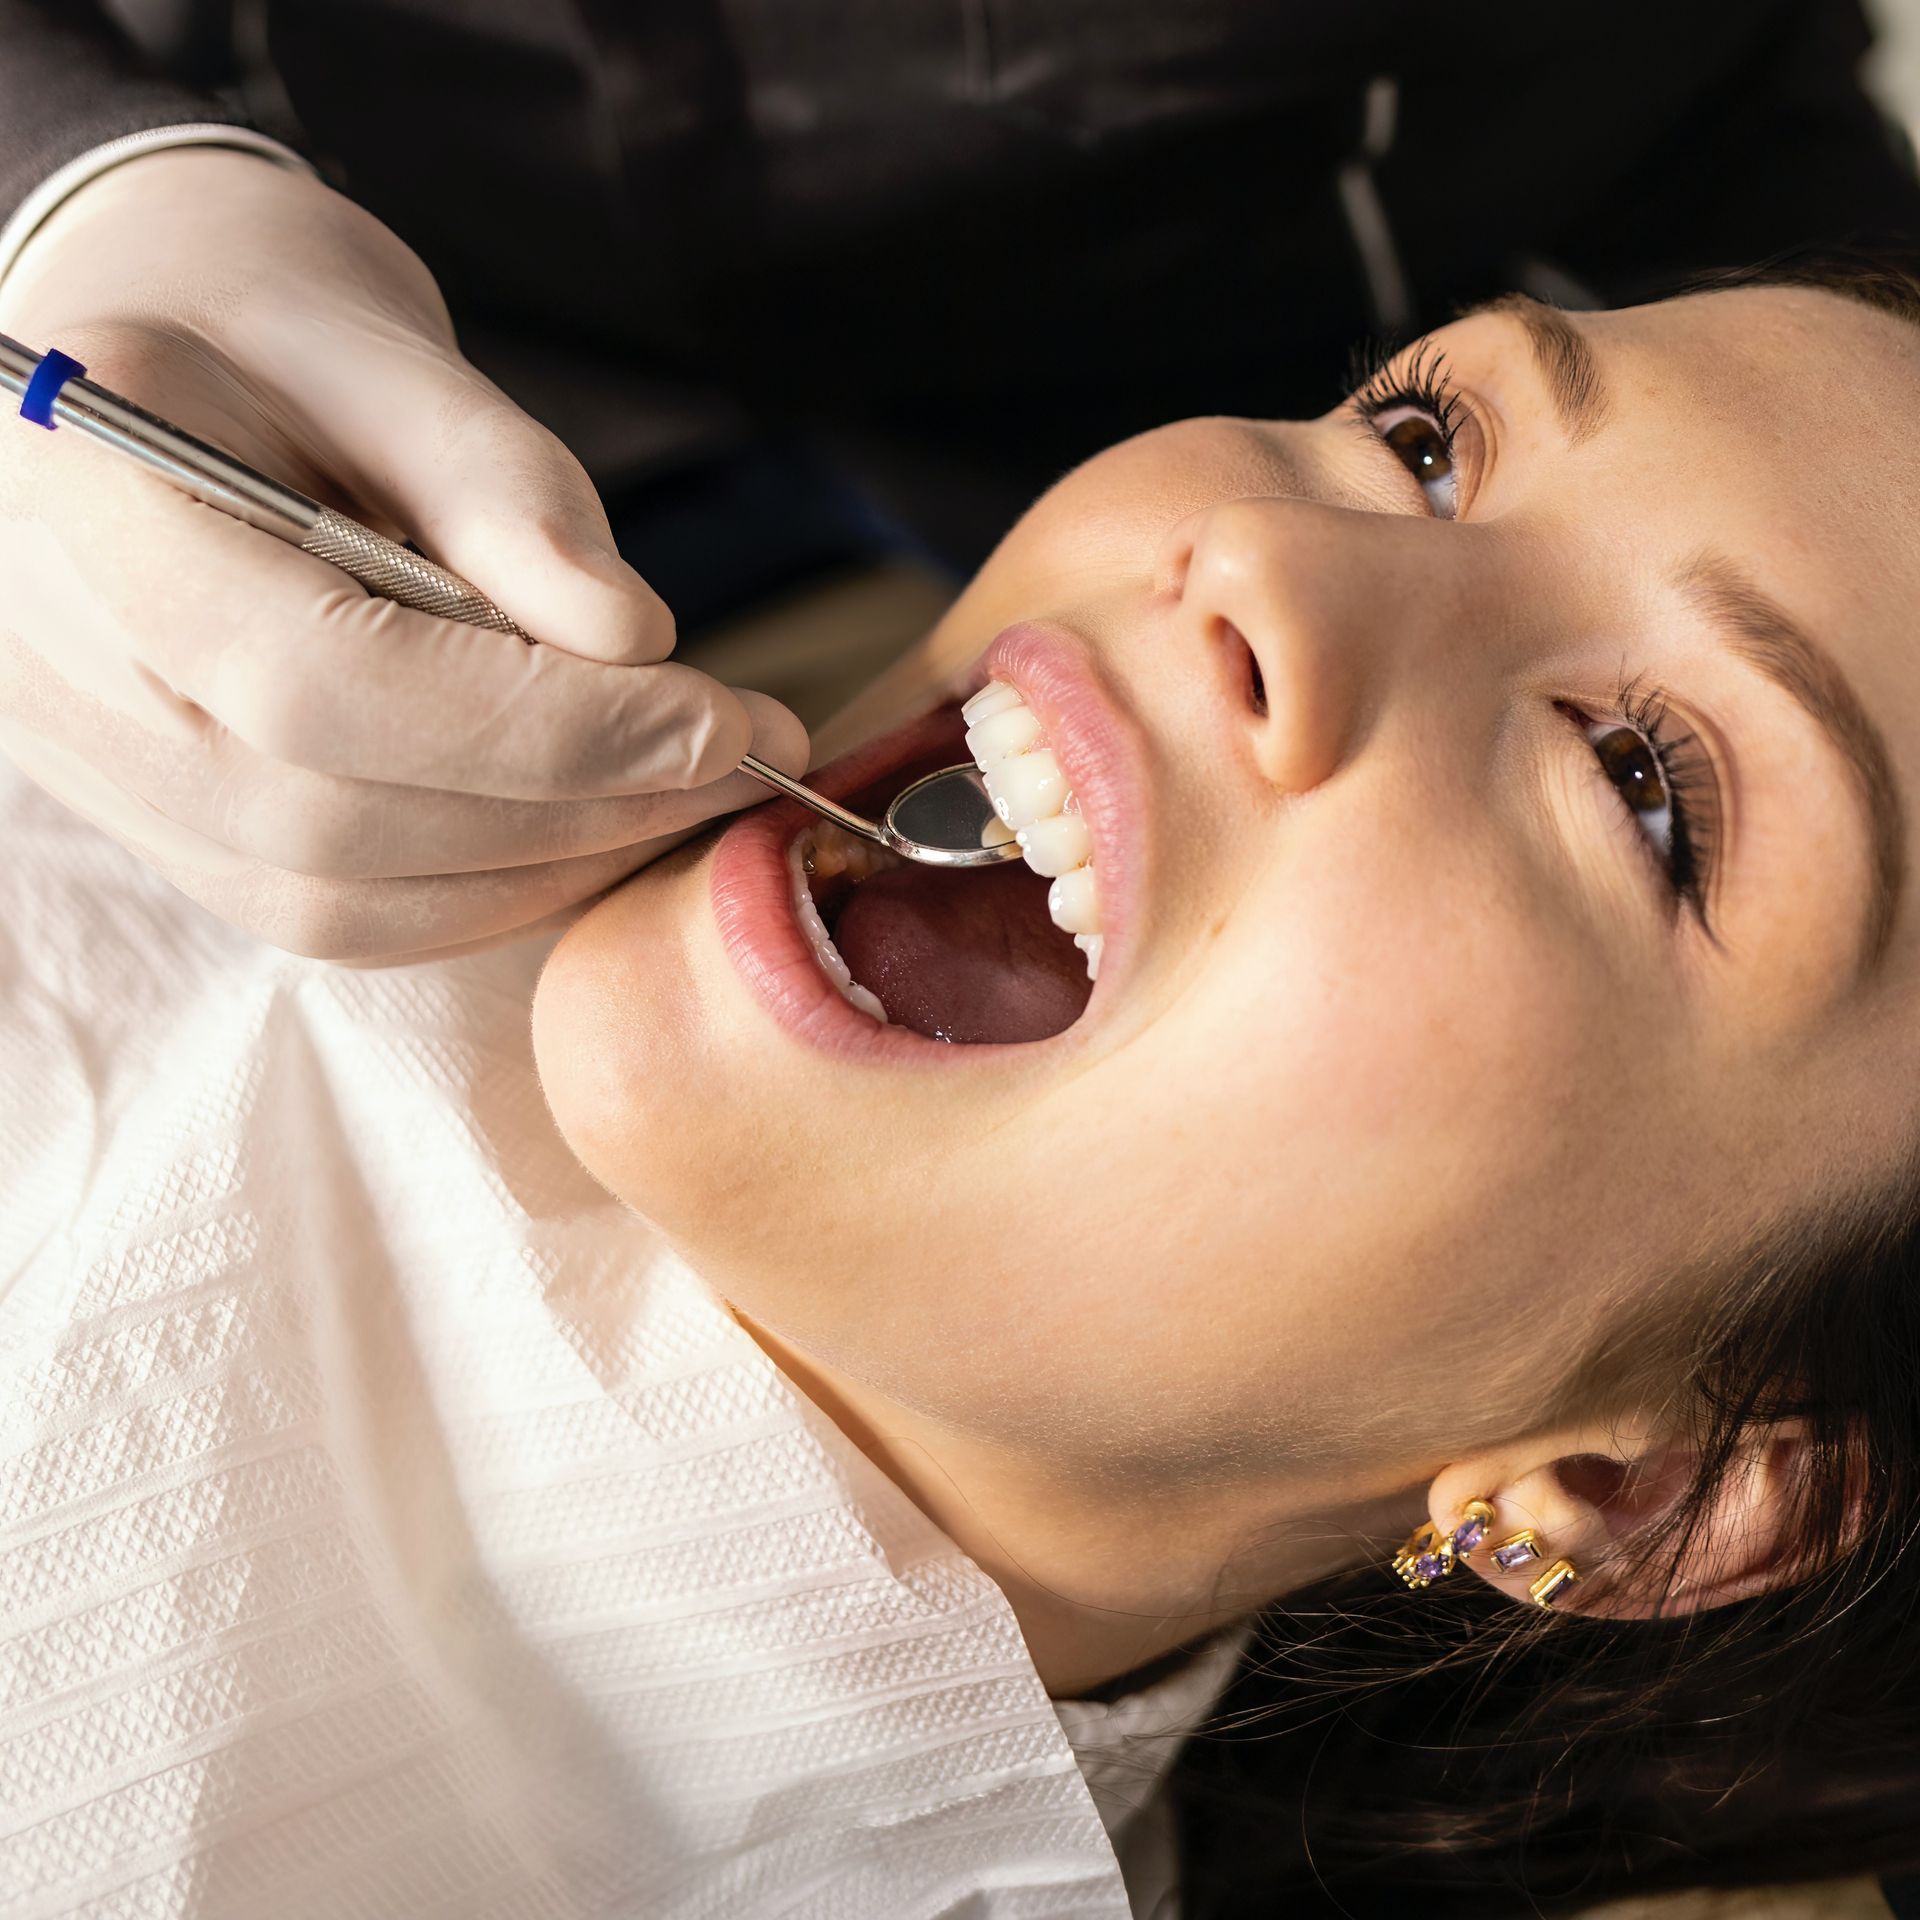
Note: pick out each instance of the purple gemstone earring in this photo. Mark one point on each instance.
(1427, 1556)
(1516, 1550)
(1475, 1518)
(1545, 1591)
(1431, 1555)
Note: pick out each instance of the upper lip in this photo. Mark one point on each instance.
(1102, 754)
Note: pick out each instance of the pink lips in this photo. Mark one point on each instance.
(1101, 753)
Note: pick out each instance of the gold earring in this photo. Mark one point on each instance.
(1553, 1583)
(1427, 1556)
(1431, 1555)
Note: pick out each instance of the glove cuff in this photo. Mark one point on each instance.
(57, 188)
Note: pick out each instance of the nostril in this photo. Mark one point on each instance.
(1256, 681)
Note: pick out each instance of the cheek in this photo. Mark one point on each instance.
(1329, 1150)
(624, 1036)
(1324, 1149)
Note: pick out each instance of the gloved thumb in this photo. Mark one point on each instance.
(484, 488)
(778, 737)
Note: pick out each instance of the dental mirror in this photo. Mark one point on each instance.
(938, 821)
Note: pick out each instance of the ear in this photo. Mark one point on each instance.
(1586, 1491)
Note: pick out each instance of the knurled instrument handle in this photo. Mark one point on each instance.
(399, 573)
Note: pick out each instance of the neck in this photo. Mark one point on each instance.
(1103, 1581)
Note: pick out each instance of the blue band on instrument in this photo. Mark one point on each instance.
(53, 373)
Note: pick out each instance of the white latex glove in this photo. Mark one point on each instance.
(329, 770)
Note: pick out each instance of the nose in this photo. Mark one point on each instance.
(1310, 591)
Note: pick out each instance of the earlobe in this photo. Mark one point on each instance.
(1569, 1509)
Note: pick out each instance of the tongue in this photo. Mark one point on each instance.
(968, 957)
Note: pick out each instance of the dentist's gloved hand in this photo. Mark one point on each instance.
(331, 771)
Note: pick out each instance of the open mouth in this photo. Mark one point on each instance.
(985, 956)
(870, 956)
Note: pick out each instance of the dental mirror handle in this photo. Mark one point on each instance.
(54, 392)
(828, 809)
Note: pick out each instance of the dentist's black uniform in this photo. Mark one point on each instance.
(966, 242)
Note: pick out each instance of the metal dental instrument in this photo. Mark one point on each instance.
(937, 821)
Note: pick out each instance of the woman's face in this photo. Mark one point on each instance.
(1426, 1042)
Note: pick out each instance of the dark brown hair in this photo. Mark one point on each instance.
(1444, 1752)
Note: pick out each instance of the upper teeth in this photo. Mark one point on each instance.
(1035, 805)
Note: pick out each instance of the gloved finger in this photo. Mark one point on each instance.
(366, 921)
(158, 596)
(364, 688)
(386, 922)
(484, 489)
(331, 827)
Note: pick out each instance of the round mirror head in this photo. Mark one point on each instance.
(939, 821)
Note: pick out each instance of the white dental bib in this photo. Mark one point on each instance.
(389, 1526)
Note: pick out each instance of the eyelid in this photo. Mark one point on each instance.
(1475, 437)
(1398, 474)
(1717, 751)
(1477, 440)
(1472, 449)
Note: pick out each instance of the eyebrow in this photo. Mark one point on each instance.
(1762, 633)
(1567, 366)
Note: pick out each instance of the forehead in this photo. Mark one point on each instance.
(1797, 405)
(1785, 420)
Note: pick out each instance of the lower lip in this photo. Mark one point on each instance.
(751, 890)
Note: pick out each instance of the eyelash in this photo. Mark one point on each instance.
(1686, 771)
(1424, 383)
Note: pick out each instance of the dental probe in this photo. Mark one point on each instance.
(937, 821)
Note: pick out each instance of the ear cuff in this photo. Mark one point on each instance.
(1431, 1555)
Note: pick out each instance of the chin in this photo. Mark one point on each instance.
(617, 1035)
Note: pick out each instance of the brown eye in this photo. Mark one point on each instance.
(1421, 446)
(1425, 448)
(1653, 772)
(1630, 765)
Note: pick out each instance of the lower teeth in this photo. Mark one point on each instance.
(823, 852)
